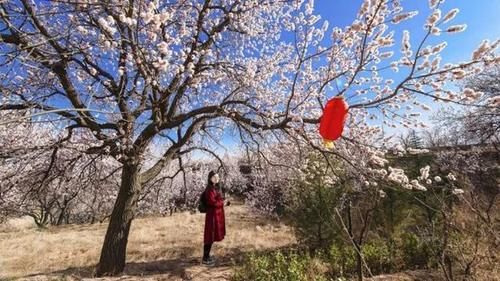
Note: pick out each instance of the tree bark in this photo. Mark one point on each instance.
(357, 247)
(114, 249)
(359, 263)
(61, 216)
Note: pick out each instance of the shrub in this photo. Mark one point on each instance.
(377, 256)
(279, 266)
(311, 203)
(415, 251)
(312, 213)
(342, 260)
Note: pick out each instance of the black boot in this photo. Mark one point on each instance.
(206, 255)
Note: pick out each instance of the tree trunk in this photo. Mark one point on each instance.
(359, 263)
(62, 214)
(114, 249)
(60, 218)
(357, 248)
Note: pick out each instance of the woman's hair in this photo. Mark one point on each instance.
(209, 182)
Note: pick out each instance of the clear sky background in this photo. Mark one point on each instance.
(481, 16)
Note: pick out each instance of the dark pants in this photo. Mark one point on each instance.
(206, 251)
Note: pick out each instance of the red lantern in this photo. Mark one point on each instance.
(332, 122)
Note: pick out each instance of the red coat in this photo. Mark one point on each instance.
(215, 225)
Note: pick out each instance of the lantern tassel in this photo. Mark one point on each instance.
(329, 144)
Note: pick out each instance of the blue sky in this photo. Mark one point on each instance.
(481, 16)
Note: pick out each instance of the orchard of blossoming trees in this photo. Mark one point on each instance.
(122, 77)
(51, 181)
(57, 183)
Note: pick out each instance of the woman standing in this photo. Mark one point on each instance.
(215, 227)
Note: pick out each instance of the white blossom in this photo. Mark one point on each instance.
(404, 16)
(434, 17)
(433, 3)
(481, 50)
(397, 175)
(471, 94)
(417, 150)
(406, 41)
(381, 193)
(378, 161)
(456, 28)
(416, 185)
(494, 101)
(424, 172)
(450, 15)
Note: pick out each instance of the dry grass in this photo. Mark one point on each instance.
(159, 248)
(411, 275)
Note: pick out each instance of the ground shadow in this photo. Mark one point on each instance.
(185, 267)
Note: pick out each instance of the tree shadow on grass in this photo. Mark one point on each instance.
(185, 267)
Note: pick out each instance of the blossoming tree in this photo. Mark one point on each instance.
(49, 178)
(142, 73)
